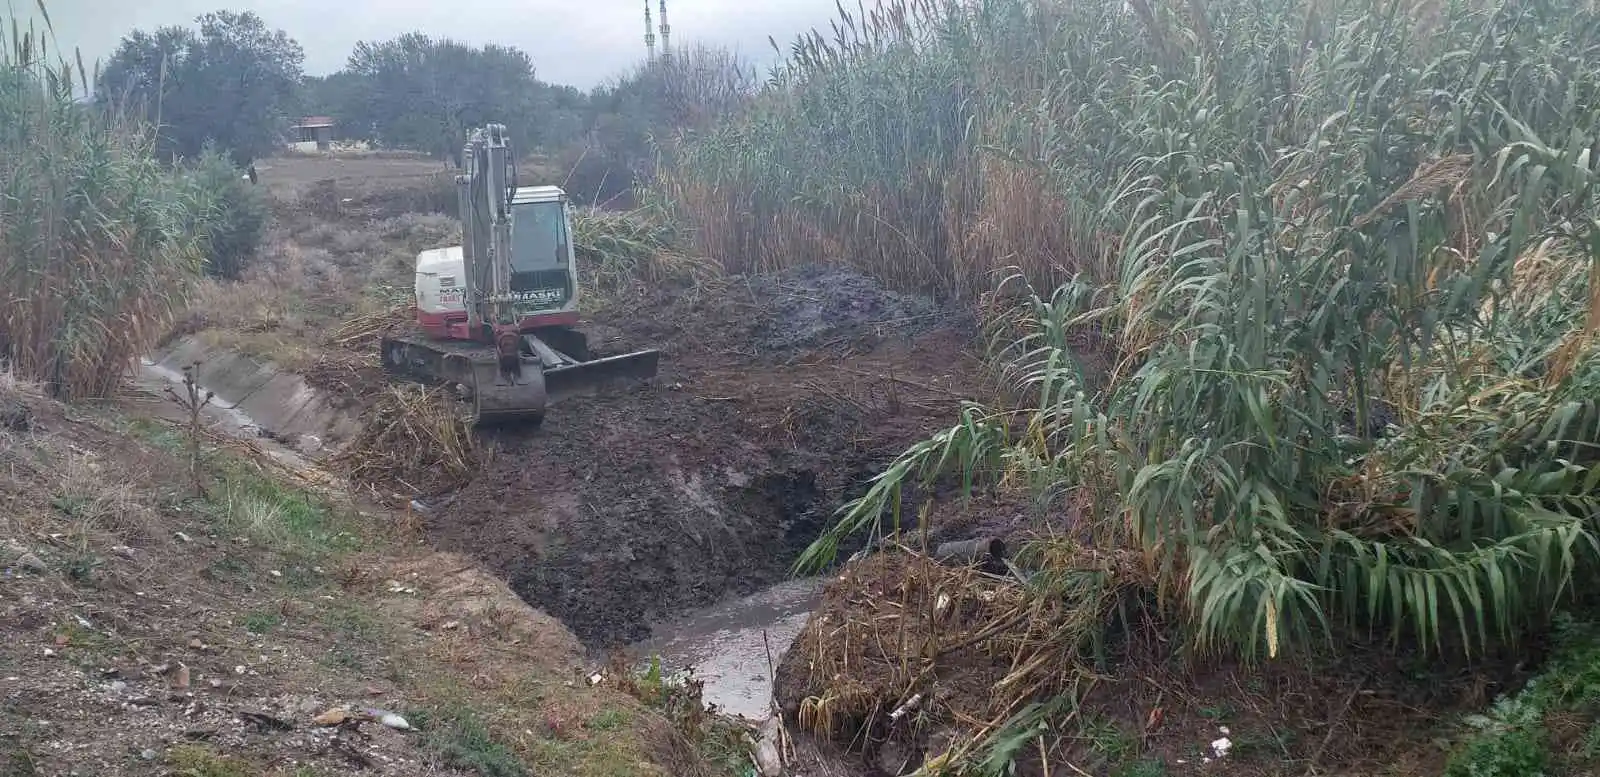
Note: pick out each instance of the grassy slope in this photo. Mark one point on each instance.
(147, 629)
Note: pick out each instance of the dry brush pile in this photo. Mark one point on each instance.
(1341, 262)
(907, 650)
(414, 437)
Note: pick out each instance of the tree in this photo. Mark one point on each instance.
(424, 94)
(342, 95)
(231, 82)
(634, 118)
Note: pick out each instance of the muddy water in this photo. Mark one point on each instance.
(727, 645)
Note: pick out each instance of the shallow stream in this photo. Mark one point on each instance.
(735, 647)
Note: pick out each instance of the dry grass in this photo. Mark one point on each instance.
(77, 495)
(15, 387)
(364, 331)
(315, 284)
(413, 436)
(98, 495)
(903, 645)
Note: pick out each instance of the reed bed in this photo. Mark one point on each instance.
(1338, 262)
(99, 245)
(619, 250)
(1351, 311)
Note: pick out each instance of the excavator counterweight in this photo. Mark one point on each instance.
(496, 315)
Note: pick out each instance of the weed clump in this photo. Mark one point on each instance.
(200, 761)
(720, 741)
(461, 740)
(1551, 725)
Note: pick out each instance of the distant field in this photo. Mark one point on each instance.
(290, 175)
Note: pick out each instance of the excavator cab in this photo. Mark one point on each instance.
(543, 276)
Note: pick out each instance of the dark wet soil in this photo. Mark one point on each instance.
(778, 398)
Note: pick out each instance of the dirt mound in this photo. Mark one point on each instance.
(624, 509)
(816, 305)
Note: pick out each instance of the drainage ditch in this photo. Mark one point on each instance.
(673, 547)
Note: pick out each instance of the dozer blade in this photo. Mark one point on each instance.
(572, 379)
(499, 402)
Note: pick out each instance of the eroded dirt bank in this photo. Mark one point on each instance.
(778, 398)
(157, 623)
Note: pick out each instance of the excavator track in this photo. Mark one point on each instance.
(473, 369)
(548, 372)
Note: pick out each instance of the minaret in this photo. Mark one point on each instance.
(666, 32)
(649, 34)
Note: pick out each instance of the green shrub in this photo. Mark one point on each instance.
(1514, 753)
(1511, 739)
(235, 218)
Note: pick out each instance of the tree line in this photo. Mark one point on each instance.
(232, 81)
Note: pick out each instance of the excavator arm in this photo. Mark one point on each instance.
(484, 189)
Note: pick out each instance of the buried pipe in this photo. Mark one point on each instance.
(989, 552)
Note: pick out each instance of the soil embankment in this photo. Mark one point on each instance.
(240, 616)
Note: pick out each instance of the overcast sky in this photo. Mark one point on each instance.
(577, 42)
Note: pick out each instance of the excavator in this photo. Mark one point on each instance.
(496, 315)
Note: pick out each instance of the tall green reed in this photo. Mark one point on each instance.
(95, 256)
(1341, 257)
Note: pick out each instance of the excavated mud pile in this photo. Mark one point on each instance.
(818, 306)
(778, 398)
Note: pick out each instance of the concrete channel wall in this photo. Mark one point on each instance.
(260, 394)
